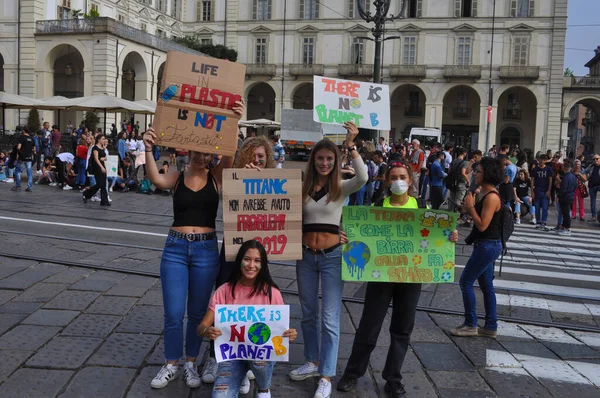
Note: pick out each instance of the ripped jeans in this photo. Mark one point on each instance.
(230, 375)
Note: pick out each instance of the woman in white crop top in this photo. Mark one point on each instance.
(323, 195)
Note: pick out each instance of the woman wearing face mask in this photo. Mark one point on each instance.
(323, 194)
(190, 260)
(405, 297)
(256, 153)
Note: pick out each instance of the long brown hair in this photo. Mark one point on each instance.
(246, 154)
(334, 182)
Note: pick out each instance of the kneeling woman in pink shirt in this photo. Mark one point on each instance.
(250, 283)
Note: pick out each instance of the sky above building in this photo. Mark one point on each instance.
(582, 40)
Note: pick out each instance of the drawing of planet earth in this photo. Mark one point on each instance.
(259, 333)
(356, 255)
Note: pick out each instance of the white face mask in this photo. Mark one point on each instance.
(399, 187)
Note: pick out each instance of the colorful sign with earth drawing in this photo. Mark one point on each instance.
(265, 205)
(252, 333)
(112, 166)
(338, 101)
(398, 245)
(195, 107)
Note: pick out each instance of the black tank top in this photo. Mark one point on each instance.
(493, 230)
(195, 209)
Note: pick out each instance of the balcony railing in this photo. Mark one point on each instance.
(306, 69)
(512, 114)
(413, 111)
(469, 71)
(586, 81)
(408, 71)
(261, 69)
(108, 25)
(355, 69)
(462, 113)
(519, 72)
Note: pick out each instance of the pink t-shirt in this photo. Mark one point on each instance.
(223, 296)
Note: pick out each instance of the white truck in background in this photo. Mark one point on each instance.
(299, 132)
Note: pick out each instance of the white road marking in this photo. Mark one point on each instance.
(552, 335)
(509, 329)
(589, 338)
(500, 359)
(543, 288)
(589, 370)
(546, 274)
(84, 226)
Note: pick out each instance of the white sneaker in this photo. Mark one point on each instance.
(264, 394)
(191, 376)
(110, 189)
(109, 199)
(250, 375)
(53, 184)
(96, 199)
(324, 389)
(245, 386)
(10, 180)
(304, 372)
(533, 221)
(67, 188)
(518, 221)
(209, 373)
(167, 373)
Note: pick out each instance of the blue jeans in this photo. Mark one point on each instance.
(187, 270)
(526, 201)
(360, 196)
(326, 268)
(593, 192)
(541, 206)
(230, 375)
(370, 188)
(425, 186)
(560, 216)
(80, 172)
(19, 170)
(480, 267)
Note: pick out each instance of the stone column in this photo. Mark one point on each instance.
(434, 112)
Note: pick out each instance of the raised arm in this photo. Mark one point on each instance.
(161, 181)
(227, 161)
(361, 175)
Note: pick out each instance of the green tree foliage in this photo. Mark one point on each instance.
(569, 72)
(214, 50)
(91, 120)
(33, 121)
(92, 14)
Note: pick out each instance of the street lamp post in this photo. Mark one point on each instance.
(379, 18)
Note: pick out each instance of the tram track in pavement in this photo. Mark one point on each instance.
(358, 300)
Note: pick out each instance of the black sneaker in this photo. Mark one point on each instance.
(84, 198)
(15, 188)
(346, 385)
(28, 189)
(394, 389)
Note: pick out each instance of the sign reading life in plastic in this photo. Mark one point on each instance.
(265, 205)
(252, 333)
(195, 107)
(398, 245)
(338, 101)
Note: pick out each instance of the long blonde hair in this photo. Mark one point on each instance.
(246, 154)
(334, 179)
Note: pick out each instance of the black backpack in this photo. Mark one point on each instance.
(453, 177)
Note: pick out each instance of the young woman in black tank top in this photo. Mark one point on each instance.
(190, 260)
(487, 246)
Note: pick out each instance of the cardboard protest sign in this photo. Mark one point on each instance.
(265, 205)
(112, 166)
(194, 108)
(252, 333)
(338, 101)
(398, 245)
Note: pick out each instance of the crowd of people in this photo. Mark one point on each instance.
(403, 175)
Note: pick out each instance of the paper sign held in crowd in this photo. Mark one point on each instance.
(338, 101)
(398, 245)
(252, 333)
(194, 108)
(265, 205)
(112, 166)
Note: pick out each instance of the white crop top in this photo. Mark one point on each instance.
(323, 216)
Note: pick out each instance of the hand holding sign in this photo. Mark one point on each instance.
(352, 133)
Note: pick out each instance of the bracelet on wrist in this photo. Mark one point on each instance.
(148, 150)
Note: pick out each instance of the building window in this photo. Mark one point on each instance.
(206, 41)
(94, 7)
(465, 8)
(414, 8)
(148, 2)
(204, 11)
(353, 8)
(463, 51)
(261, 50)
(308, 50)
(160, 33)
(409, 52)
(261, 10)
(63, 13)
(522, 8)
(121, 18)
(161, 5)
(143, 27)
(521, 51)
(309, 9)
(176, 9)
(357, 50)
